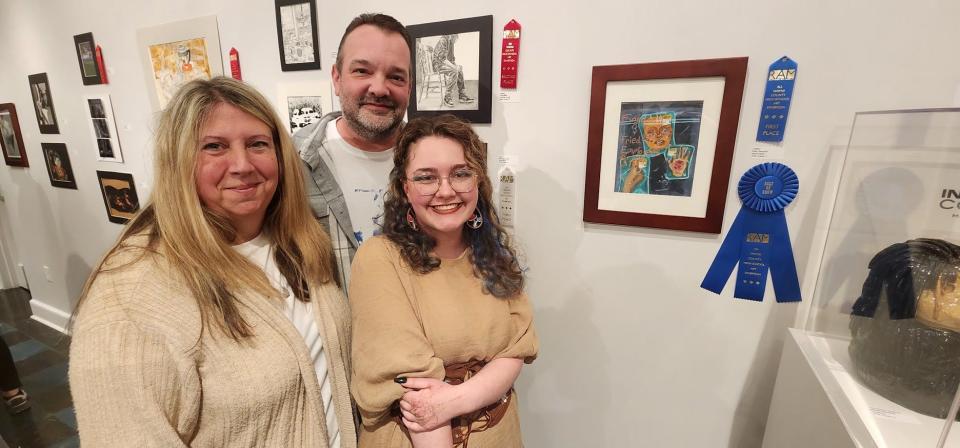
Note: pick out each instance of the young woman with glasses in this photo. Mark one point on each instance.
(442, 326)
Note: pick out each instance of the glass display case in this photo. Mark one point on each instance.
(885, 314)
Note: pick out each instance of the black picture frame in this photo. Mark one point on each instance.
(119, 195)
(57, 160)
(87, 58)
(43, 103)
(11, 142)
(297, 58)
(422, 66)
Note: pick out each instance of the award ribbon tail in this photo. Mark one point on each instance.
(727, 257)
(783, 267)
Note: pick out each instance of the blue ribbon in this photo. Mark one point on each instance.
(759, 240)
(776, 100)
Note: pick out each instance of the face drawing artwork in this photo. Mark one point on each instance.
(657, 132)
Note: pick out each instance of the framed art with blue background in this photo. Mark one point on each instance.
(660, 143)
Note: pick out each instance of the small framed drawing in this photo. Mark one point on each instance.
(176, 53)
(102, 128)
(660, 143)
(297, 34)
(451, 64)
(43, 103)
(58, 165)
(119, 195)
(304, 102)
(11, 141)
(87, 57)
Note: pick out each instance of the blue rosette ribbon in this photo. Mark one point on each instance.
(759, 241)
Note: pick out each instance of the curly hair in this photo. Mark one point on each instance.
(494, 260)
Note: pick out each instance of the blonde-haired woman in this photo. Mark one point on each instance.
(215, 320)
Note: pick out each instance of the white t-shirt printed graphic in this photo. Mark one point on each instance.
(363, 177)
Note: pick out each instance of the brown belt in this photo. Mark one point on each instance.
(480, 420)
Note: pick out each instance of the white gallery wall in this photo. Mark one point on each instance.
(634, 353)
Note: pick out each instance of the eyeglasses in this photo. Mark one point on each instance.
(461, 181)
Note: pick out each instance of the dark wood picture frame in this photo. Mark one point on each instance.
(292, 65)
(10, 135)
(87, 58)
(119, 195)
(57, 160)
(43, 103)
(419, 67)
(733, 72)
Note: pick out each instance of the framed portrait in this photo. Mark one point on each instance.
(87, 57)
(43, 103)
(57, 161)
(177, 53)
(660, 143)
(451, 63)
(297, 34)
(119, 195)
(103, 128)
(303, 102)
(11, 142)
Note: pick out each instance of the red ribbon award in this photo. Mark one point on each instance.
(235, 64)
(510, 55)
(103, 71)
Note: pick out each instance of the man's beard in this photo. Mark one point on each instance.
(369, 126)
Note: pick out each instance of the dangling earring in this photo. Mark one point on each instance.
(410, 219)
(475, 221)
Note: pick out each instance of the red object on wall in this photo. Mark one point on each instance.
(235, 64)
(103, 70)
(510, 55)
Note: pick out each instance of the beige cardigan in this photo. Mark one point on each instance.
(142, 373)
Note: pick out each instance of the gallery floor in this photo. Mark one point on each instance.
(41, 357)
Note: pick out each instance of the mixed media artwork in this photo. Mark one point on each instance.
(119, 195)
(297, 35)
(103, 129)
(58, 165)
(177, 53)
(657, 146)
(87, 57)
(11, 142)
(303, 102)
(43, 103)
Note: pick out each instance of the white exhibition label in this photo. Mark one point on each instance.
(768, 152)
(508, 96)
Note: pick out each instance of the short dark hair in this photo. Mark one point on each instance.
(382, 21)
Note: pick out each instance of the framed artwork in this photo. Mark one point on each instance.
(451, 65)
(11, 142)
(304, 102)
(58, 165)
(177, 53)
(87, 57)
(297, 34)
(103, 128)
(660, 143)
(119, 195)
(43, 103)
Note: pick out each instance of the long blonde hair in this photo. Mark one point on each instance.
(195, 241)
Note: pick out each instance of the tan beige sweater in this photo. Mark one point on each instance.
(408, 324)
(142, 373)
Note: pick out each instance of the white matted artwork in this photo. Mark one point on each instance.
(304, 102)
(176, 53)
(103, 128)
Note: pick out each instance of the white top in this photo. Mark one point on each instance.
(363, 176)
(260, 252)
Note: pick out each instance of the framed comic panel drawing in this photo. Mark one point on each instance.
(297, 34)
(43, 103)
(660, 143)
(176, 53)
(58, 165)
(103, 128)
(451, 68)
(11, 142)
(119, 195)
(87, 57)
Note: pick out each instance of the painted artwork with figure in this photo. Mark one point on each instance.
(177, 63)
(657, 147)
